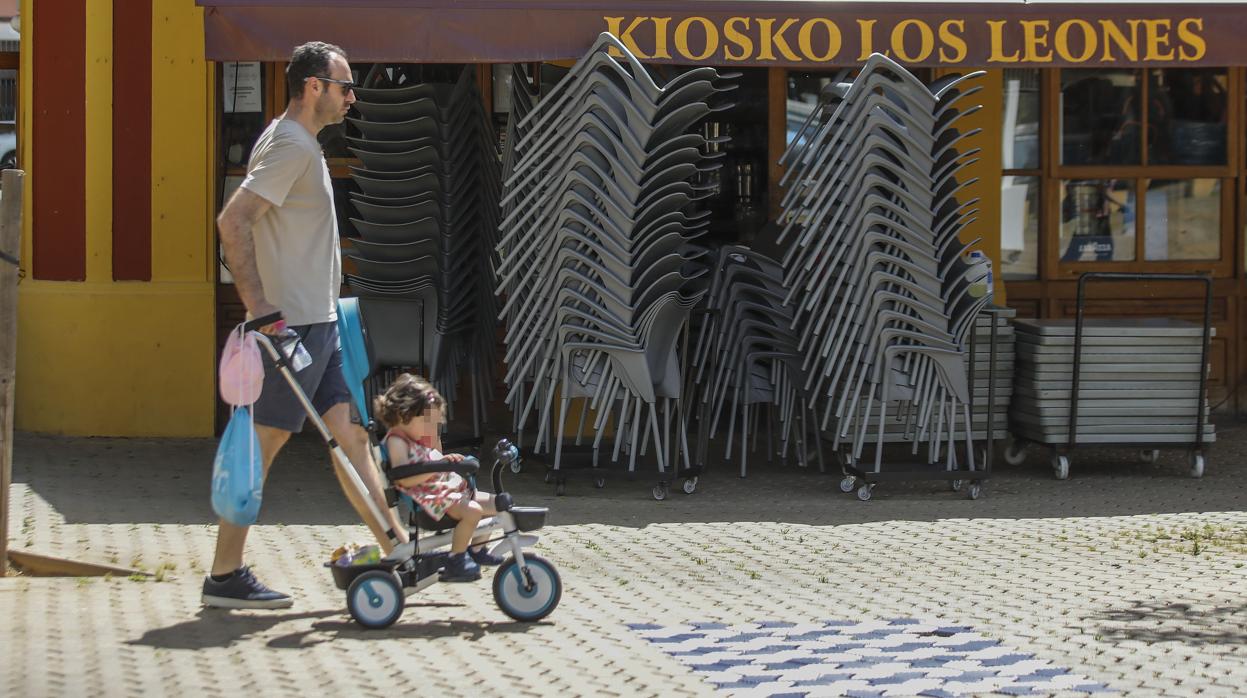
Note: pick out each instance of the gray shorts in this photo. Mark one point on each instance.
(321, 381)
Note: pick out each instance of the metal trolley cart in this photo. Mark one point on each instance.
(956, 471)
(1113, 383)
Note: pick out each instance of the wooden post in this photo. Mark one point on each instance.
(10, 246)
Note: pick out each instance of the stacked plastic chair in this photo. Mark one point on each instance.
(746, 359)
(523, 99)
(880, 282)
(425, 260)
(596, 264)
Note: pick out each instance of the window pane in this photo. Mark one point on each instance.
(1021, 119)
(803, 91)
(1187, 116)
(1019, 228)
(1182, 219)
(1100, 117)
(1097, 220)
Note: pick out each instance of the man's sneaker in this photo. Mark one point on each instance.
(484, 558)
(242, 590)
(460, 568)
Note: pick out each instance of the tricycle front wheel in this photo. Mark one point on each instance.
(530, 597)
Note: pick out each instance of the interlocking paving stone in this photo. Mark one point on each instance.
(1097, 574)
(885, 672)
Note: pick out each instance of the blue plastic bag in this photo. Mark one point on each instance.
(238, 471)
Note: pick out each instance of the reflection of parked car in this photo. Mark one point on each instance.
(8, 145)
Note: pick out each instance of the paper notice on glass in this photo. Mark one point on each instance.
(242, 89)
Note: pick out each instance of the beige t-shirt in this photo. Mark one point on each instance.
(297, 251)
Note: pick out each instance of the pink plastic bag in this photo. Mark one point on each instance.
(241, 373)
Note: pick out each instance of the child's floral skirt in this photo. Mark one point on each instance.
(438, 494)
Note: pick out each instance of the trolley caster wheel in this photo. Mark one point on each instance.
(976, 489)
(847, 484)
(517, 466)
(864, 492)
(560, 488)
(375, 599)
(660, 491)
(690, 485)
(956, 485)
(1015, 453)
(599, 481)
(1149, 455)
(1197, 465)
(1060, 467)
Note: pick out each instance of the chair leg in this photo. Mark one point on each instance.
(744, 438)
(658, 449)
(558, 443)
(636, 423)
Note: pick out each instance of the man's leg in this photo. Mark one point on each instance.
(231, 585)
(354, 442)
(231, 539)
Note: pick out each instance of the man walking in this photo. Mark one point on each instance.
(279, 232)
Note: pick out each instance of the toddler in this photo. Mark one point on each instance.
(412, 409)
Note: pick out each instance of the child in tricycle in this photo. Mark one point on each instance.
(412, 410)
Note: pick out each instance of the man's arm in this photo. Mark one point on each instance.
(235, 224)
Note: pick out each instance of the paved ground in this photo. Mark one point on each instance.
(1131, 577)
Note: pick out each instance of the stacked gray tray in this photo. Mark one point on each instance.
(1138, 383)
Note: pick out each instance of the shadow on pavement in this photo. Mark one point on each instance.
(166, 481)
(1176, 622)
(222, 629)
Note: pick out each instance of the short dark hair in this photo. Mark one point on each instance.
(308, 61)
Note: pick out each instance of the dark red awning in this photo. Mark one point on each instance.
(809, 33)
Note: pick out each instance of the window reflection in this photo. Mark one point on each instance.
(1019, 228)
(1187, 116)
(803, 91)
(1182, 219)
(1100, 122)
(1098, 220)
(1021, 119)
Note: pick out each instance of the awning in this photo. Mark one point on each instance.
(795, 33)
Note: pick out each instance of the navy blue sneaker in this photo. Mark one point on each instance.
(242, 590)
(460, 568)
(484, 558)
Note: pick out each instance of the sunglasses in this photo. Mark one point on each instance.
(347, 85)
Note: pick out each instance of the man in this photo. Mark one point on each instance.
(280, 236)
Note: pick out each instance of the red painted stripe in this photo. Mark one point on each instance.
(59, 181)
(132, 140)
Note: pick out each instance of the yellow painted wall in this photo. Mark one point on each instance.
(987, 170)
(128, 358)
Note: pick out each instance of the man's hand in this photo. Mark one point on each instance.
(265, 308)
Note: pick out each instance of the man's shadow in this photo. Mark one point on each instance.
(222, 628)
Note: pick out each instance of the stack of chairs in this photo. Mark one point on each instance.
(879, 279)
(596, 258)
(746, 359)
(523, 99)
(425, 261)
